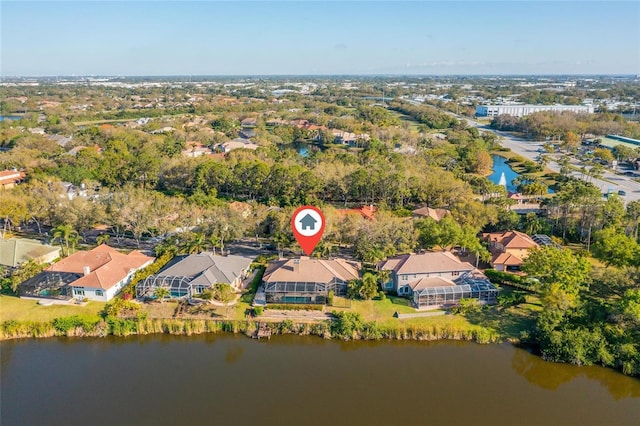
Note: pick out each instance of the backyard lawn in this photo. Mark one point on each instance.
(508, 323)
(14, 308)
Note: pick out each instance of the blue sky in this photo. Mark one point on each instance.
(256, 38)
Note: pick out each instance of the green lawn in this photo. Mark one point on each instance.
(414, 125)
(507, 323)
(375, 310)
(96, 122)
(14, 308)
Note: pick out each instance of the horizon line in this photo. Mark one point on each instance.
(621, 74)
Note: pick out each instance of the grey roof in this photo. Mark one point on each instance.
(14, 251)
(431, 262)
(207, 268)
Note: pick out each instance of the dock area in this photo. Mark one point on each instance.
(262, 331)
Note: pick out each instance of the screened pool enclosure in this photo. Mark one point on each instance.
(176, 285)
(303, 292)
(482, 290)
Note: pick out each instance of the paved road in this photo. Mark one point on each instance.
(530, 149)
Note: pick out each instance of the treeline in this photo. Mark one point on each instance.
(550, 124)
(429, 116)
(583, 325)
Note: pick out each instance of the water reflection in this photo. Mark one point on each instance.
(550, 376)
(234, 353)
(205, 379)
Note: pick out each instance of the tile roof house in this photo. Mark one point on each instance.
(307, 280)
(9, 178)
(188, 276)
(15, 251)
(435, 214)
(98, 274)
(509, 249)
(407, 270)
(523, 204)
(436, 279)
(249, 122)
(237, 143)
(367, 212)
(195, 149)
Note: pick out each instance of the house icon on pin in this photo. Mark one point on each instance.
(308, 222)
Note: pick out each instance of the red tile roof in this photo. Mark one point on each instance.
(107, 266)
(11, 176)
(368, 212)
(511, 239)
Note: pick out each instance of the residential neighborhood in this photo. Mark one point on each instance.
(285, 213)
(173, 202)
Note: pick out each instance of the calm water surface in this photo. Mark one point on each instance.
(500, 166)
(292, 380)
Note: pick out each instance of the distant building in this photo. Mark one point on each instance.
(435, 214)
(9, 178)
(237, 143)
(522, 110)
(367, 212)
(509, 249)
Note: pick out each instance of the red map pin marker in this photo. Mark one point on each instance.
(307, 224)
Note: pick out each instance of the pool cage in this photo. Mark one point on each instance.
(49, 285)
(178, 286)
(482, 290)
(303, 292)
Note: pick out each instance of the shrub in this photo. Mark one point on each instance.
(258, 310)
(500, 277)
(120, 307)
(346, 325)
(63, 324)
(511, 299)
(467, 306)
(207, 294)
(330, 297)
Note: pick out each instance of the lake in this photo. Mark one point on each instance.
(500, 166)
(302, 148)
(223, 379)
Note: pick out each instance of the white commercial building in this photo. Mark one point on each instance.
(522, 110)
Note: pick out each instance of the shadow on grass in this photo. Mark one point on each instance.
(509, 323)
(396, 300)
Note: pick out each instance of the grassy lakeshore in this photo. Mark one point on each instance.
(25, 318)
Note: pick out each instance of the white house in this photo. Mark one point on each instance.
(97, 274)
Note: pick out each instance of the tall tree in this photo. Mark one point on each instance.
(65, 235)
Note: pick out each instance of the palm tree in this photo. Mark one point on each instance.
(214, 242)
(161, 293)
(197, 243)
(65, 234)
(103, 238)
(73, 240)
(384, 275)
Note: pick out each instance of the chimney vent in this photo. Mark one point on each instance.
(296, 265)
(86, 270)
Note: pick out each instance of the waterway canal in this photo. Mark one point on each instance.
(292, 380)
